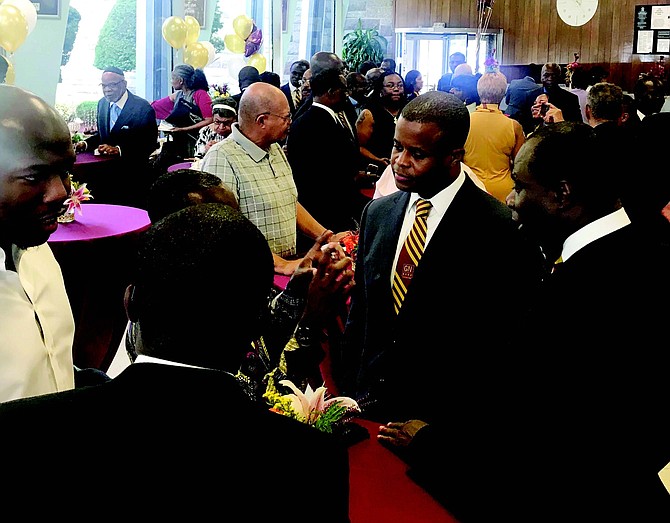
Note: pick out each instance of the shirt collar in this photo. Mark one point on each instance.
(327, 109)
(121, 101)
(594, 231)
(141, 358)
(255, 152)
(441, 200)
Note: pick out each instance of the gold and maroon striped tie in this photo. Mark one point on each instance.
(411, 253)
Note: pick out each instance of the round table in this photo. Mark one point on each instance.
(96, 253)
(182, 165)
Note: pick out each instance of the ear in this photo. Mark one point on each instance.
(589, 114)
(457, 155)
(564, 194)
(130, 303)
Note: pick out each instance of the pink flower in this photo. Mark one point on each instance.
(79, 194)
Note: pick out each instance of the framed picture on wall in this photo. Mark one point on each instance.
(48, 8)
(196, 9)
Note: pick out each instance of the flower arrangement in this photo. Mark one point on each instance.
(78, 193)
(310, 407)
(219, 91)
(491, 65)
(570, 68)
(350, 245)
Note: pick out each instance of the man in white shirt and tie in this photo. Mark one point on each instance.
(292, 89)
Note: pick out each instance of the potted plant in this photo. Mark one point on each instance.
(361, 45)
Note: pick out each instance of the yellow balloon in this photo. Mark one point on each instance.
(234, 43)
(243, 25)
(174, 31)
(257, 60)
(13, 27)
(192, 29)
(10, 75)
(196, 55)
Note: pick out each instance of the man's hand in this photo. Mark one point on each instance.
(399, 434)
(109, 150)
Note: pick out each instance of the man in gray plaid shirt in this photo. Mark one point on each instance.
(253, 165)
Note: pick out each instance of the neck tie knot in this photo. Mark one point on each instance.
(423, 207)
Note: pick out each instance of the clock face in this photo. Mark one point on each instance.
(576, 12)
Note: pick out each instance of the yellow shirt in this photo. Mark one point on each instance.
(492, 144)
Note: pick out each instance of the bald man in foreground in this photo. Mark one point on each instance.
(253, 165)
(36, 323)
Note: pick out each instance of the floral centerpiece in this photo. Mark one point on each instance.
(219, 91)
(311, 407)
(570, 69)
(350, 245)
(78, 193)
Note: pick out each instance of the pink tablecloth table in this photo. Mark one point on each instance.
(96, 253)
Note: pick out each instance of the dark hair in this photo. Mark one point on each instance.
(228, 101)
(366, 66)
(410, 80)
(605, 101)
(580, 78)
(194, 79)
(185, 261)
(326, 79)
(591, 182)
(445, 110)
(247, 76)
(270, 77)
(302, 61)
(170, 192)
(114, 70)
(468, 84)
(648, 100)
(391, 63)
(378, 82)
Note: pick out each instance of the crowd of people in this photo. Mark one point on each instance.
(498, 311)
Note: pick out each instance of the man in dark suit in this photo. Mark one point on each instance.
(126, 128)
(245, 77)
(444, 83)
(176, 424)
(592, 339)
(574, 413)
(292, 89)
(323, 153)
(566, 101)
(406, 365)
(520, 97)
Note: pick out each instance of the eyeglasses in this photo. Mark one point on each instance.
(399, 85)
(223, 122)
(287, 118)
(112, 84)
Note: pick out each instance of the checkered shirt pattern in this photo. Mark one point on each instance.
(263, 183)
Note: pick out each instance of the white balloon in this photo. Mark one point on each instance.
(27, 10)
(235, 63)
(210, 50)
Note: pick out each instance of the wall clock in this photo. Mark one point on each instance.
(576, 12)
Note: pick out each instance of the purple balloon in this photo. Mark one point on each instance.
(256, 36)
(250, 48)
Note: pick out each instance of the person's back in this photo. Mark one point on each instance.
(176, 422)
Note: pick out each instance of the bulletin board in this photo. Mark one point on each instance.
(652, 29)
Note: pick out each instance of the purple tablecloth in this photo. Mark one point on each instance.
(96, 253)
(183, 165)
(101, 221)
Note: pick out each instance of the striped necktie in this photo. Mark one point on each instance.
(411, 253)
(297, 97)
(342, 117)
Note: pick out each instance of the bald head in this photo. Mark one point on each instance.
(324, 61)
(264, 115)
(36, 146)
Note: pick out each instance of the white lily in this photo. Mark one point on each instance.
(312, 403)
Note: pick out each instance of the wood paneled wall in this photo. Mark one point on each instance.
(534, 34)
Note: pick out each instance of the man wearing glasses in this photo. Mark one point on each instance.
(127, 129)
(253, 165)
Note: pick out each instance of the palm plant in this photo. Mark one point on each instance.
(361, 45)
